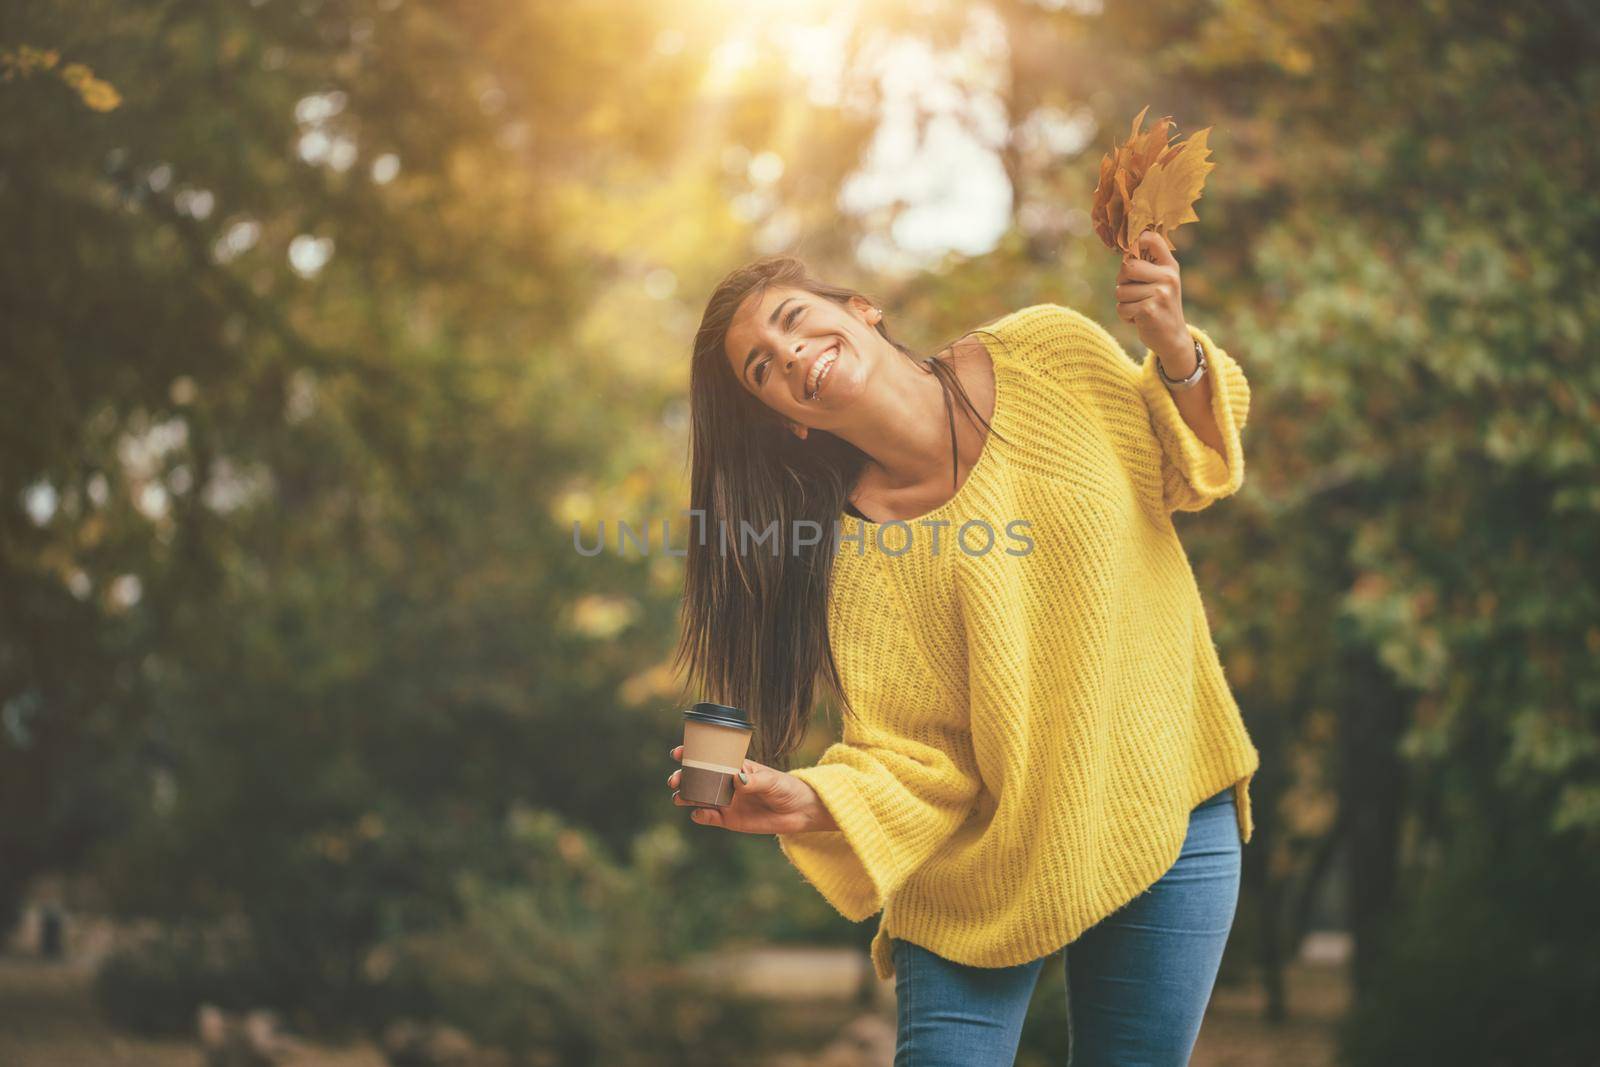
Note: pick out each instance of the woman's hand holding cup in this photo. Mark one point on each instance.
(765, 801)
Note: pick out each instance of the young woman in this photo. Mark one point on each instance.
(1039, 750)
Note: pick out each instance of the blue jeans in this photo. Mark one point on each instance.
(1138, 981)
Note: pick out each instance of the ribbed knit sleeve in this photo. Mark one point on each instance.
(896, 798)
(903, 776)
(1193, 474)
(1160, 450)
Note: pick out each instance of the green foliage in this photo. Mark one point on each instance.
(155, 985)
(571, 955)
(1492, 965)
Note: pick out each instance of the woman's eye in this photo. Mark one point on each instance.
(760, 373)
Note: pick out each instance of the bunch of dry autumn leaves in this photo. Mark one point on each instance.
(1146, 183)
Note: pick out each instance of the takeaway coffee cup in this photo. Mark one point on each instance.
(715, 739)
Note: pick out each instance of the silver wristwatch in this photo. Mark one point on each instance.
(1180, 384)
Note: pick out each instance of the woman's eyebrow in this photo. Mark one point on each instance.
(772, 320)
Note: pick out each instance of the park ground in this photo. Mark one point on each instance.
(47, 1018)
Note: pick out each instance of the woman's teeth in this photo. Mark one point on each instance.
(819, 372)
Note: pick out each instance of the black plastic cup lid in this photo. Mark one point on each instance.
(719, 715)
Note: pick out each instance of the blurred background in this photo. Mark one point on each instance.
(324, 321)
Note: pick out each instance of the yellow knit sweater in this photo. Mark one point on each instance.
(1033, 726)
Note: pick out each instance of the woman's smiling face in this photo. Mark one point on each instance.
(802, 355)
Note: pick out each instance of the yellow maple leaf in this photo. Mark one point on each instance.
(1146, 183)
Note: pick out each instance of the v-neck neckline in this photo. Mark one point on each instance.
(979, 465)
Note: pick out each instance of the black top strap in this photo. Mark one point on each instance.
(950, 411)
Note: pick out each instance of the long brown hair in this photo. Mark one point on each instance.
(755, 627)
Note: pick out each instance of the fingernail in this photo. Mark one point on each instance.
(744, 778)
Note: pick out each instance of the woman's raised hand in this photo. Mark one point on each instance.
(768, 802)
(1150, 295)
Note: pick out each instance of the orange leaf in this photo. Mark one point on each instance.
(1146, 183)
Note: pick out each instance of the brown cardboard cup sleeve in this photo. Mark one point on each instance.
(706, 784)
